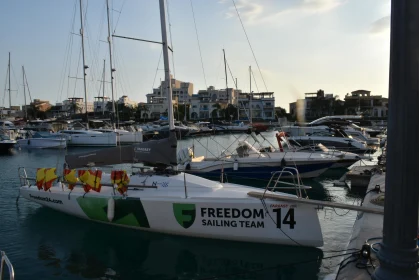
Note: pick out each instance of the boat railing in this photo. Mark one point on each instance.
(5, 261)
(296, 181)
(25, 180)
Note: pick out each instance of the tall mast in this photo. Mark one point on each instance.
(250, 93)
(238, 105)
(84, 62)
(168, 82)
(10, 95)
(110, 60)
(103, 88)
(24, 92)
(225, 71)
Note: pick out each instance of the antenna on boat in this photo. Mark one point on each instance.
(84, 63)
(110, 62)
(167, 78)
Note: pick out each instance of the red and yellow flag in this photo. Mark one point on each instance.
(70, 178)
(40, 177)
(91, 179)
(50, 177)
(121, 179)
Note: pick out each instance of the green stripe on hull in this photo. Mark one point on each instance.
(128, 211)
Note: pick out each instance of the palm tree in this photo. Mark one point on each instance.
(217, 109)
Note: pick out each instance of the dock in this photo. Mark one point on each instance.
(368, 227)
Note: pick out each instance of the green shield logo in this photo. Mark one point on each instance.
(184, 214)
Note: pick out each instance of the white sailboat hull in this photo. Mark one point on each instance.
(210, 210)
(42, 143)
(130, 137)
(93, 140)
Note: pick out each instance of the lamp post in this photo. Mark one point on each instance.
(398, 254)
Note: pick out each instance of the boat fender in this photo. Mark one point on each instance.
(111, 209)
(283, 162)
(188, 166)
(29, 142)
(235, 166)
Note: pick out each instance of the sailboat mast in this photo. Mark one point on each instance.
(110, 59)
(10, 95)
(103, 86)
(168, 82)
(250, 93)
(84, 62)
(24, 92)
(225, 71)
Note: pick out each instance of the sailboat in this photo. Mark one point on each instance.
(167, 201)
(86, 137)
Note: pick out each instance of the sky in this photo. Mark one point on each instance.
(300, 46)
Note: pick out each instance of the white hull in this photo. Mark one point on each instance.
(42, 143)
(211, 210)
(124, 136)
(92, 139)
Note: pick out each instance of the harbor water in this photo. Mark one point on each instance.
(45, 244)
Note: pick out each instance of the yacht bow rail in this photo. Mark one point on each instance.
(293, 172)
(5, 261)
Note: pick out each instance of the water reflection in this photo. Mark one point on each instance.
(75, 248)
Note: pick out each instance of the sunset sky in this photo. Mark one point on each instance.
(300, 45)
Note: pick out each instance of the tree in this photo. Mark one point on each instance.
(141, 110)
(230, 112)
(280, 112)
(217, 108)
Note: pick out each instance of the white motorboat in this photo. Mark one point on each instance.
(82, 137)
(329, 137)
(168, 201)
(6, 144)
(346, 159)
(249, 162)
(42, 141)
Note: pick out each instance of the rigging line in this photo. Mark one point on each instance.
(254, 79)
(5, 86)
(171, 42)
(67, 50)
(248, 41)
(199, 46)
(27, 86)
(157, 69)
(123, 84)
(120, 12)
(231, 73)
(70, 58)
(16, 83)
(77, 71)
(126, 82)
(94, 55)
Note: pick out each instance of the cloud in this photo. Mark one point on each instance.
(254, 13)
(319, 6)
(381, 25)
